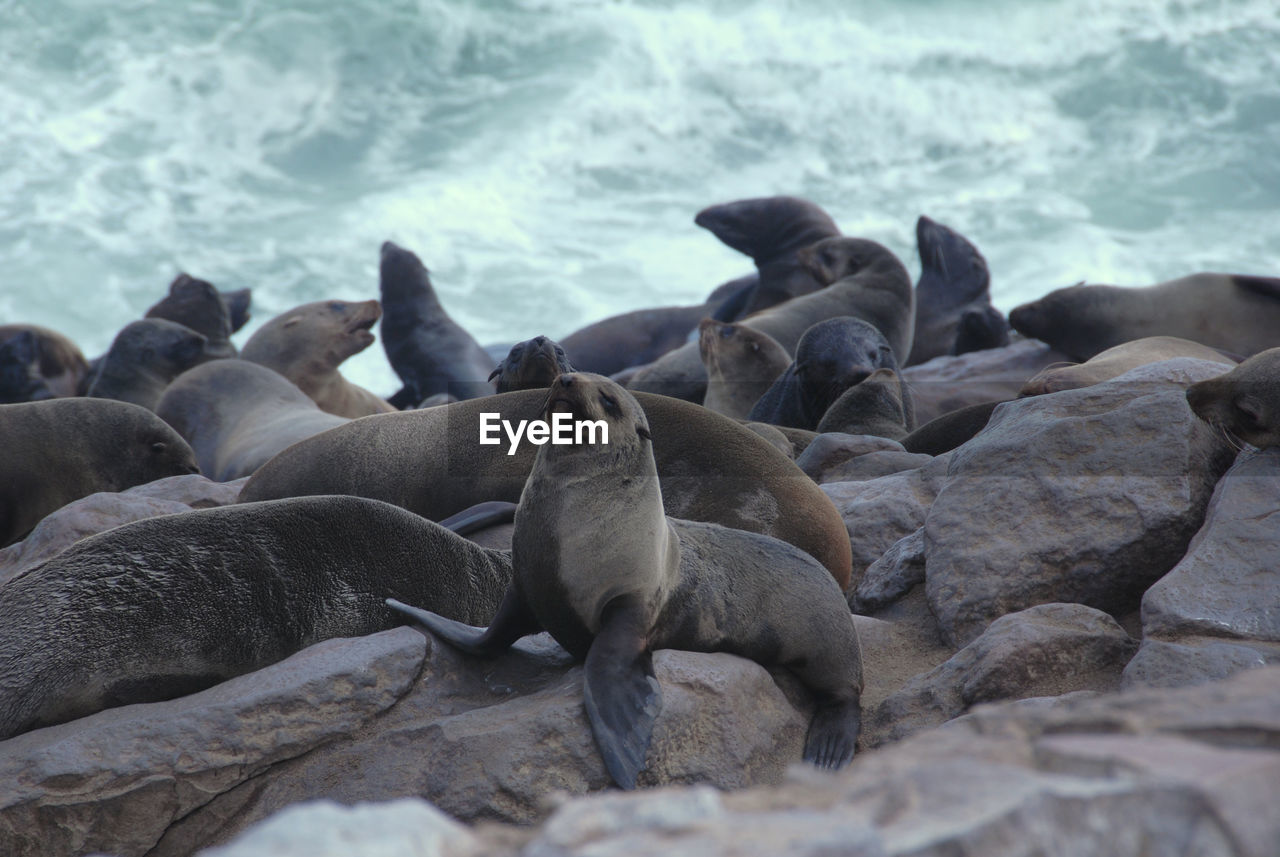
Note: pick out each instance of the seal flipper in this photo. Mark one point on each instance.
(833, 732)
(620, 690)
(481, 515)
(512, 621)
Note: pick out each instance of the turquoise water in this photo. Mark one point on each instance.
(546, 158)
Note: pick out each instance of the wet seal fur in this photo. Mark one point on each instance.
(1235, 312)
(598, 564)
(430, 351)
(1116, 361)
(873, 406)
(60, 450)
(531, 365)
(953, 298)
(198, 305)
(1245, 401)
(143, 358)
(431, 462)
(833, 356)
(170, 605)
(237, 415)
(742, 363)
(308, 343)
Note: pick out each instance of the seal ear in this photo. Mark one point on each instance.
(643, 432)
(495, 373)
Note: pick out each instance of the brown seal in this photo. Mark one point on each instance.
(599, 565)
(531, 365)
(633, 338)
(953, 298)
(1235, 312)
(430, 351)
(309, 342)
(60, 450)
(432, 463)
(741, 363)
(237, 415)
(57, 367)
(871, 284)
(143, 358)
(1245, 401)
(199, 306)
(873, 406)
(1116, 361)
(169, 605)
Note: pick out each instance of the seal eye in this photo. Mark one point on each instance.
(336, 306)
(158, 446)
(1248, 412)
(610, 405)
(643, 432)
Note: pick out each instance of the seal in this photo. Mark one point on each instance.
(948, 431)
(770, 230)
(428, 350)
(741, 364)
(1116, 361)
(309, 342)
(38, 363)
(237, 415)
(136, 614)
(1244, 402)
(60, 450)
(238, 302)
(599, 565)
(143, 358)
(634, 338)
(531, 365)
(871, 283)
(1235, 312)
(954, 282)
(832, 356)
(201, 307)
(432, 463)
(873, 406)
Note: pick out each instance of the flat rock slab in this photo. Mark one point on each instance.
(1086, 496)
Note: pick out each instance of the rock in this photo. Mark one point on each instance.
(946, 384)
(879, 512)
(1223, 598)
(115, 781)
(1090, 776)
(839, 457)
(194, 490)
(892, 576)
(1086, 496)
(405, 828)
(491, 740)
(1043, 651)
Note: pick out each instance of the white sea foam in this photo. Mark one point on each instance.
(546, 158)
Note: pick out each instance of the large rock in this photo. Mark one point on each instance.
(1047, 650)
(840, 457)
(115, 781)
(1218, 609)
(879, 512)
(1086, 496)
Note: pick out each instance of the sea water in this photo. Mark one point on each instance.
(546, 158)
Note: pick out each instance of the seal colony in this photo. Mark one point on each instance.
(691, 528)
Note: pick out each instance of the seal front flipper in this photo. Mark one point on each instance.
(481, 515)
(833, 732)
(512, 621)
(620, 690)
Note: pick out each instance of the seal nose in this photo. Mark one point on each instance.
(566, 381)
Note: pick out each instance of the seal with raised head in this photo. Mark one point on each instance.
(741, 363)
(870, 283)
(832, 356)
(432, 462)
(770, 230)
(1235, 312)
(38, 363)
(143, 358)
(201, 307)
(633, 338)
(531, 365)
(237, 415)
(954, 282)
(308, 343)
(430, 351)
(1245, 401)
(599, 565)
(170, 605)
(59, 450)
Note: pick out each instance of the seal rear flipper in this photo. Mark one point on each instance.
(512, 621)
(833, 732)
(621, 692)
